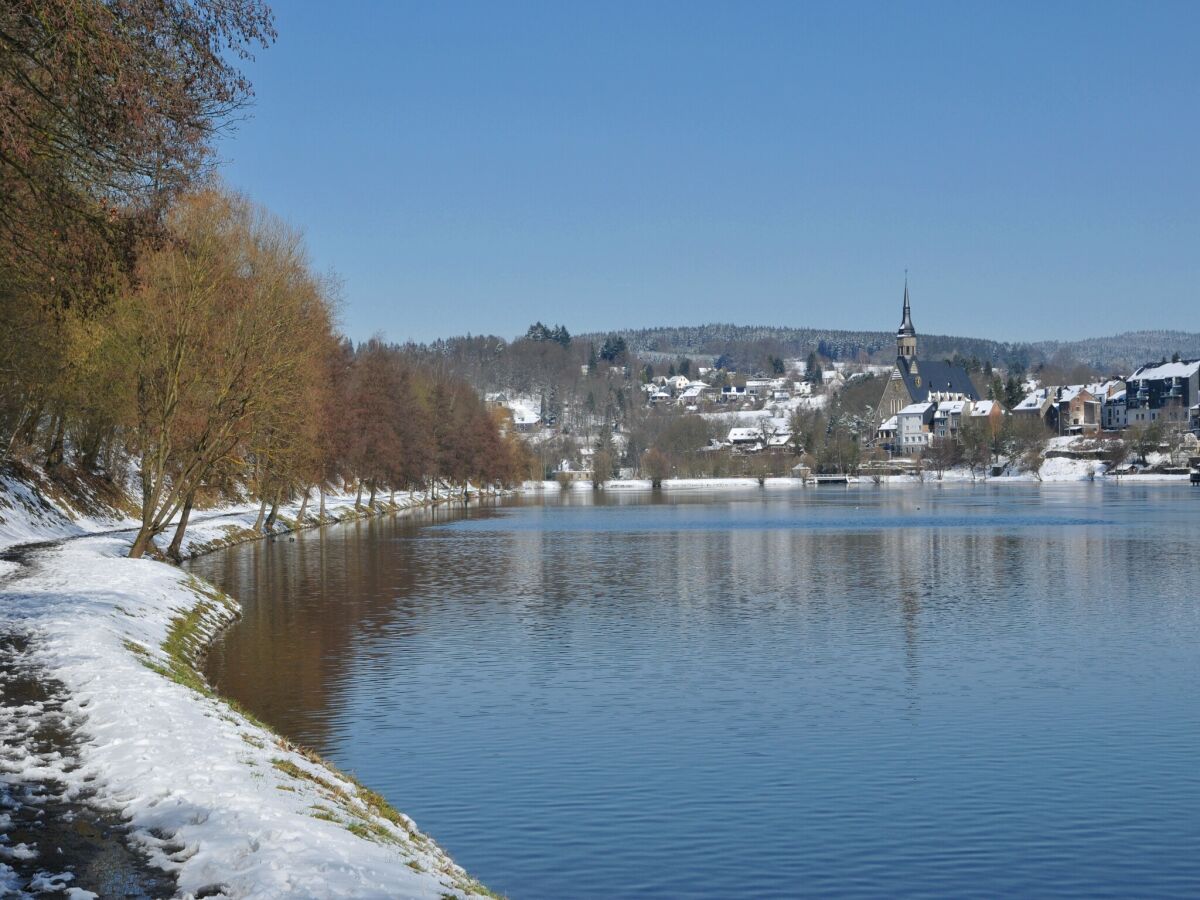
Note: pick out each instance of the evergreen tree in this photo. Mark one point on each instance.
(813, 371)
(1013, 392)
(614, 349)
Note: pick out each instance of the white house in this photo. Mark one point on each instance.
(948, 416)
(886, 433)
(1114, 414)
(679, 382)
(912, 427)
(693, 391)
(745, 438)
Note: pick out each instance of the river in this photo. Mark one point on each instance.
(901, 691)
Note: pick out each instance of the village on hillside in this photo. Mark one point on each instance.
(826, 418)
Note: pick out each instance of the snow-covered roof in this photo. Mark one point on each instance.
(916, 409)
(524, 412)
(983, 408)
(1098, 389)
(1033, 400)
(523, 416)
(950, 407)
(778, 440)
(744, 434)
(1182, 369)
(889, 424)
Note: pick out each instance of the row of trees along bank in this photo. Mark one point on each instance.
(155, 320)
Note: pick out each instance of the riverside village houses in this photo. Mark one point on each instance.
(919, 394)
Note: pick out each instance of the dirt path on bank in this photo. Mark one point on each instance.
(54, 839)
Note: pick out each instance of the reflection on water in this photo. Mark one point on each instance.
(959, 690)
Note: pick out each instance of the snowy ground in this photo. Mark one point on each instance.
(223, 805)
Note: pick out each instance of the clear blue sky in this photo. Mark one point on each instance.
(474, 167)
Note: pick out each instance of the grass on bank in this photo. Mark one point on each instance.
(366, 814)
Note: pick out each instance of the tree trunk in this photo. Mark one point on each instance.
(27, 433)
(90, 451)
(270, 526)
(111, 448)
(371, 501)
(48, 441)
(175, 550)
(321, 513)
(303, 507)
(358, 496)
(141, 543)
(54, 452)
(262, 510)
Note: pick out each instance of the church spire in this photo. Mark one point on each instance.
(906, 325)
(906, 337)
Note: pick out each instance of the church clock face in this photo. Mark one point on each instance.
(917, 381)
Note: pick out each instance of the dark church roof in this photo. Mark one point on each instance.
(941, 377)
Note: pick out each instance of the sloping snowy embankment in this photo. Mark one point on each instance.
(220, 802)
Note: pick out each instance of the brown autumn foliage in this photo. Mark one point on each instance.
(220, 365)
(230, 341)
(153, 318)
(108, 110)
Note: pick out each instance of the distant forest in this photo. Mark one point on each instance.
(744, 345)
(581, 380)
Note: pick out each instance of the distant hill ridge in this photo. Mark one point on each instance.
(1119, 353)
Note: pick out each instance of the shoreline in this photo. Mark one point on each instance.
(215, 799)
(223, 805)
(631, 485)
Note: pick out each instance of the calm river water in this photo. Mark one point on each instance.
(963, 691)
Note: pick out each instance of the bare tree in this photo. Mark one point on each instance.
(943, 453)
(214, 336)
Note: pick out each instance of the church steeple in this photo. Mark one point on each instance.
(906, 337)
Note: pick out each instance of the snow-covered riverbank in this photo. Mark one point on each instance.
(219, 802)
(1052, 471)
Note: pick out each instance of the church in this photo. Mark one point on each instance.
(914, 381)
